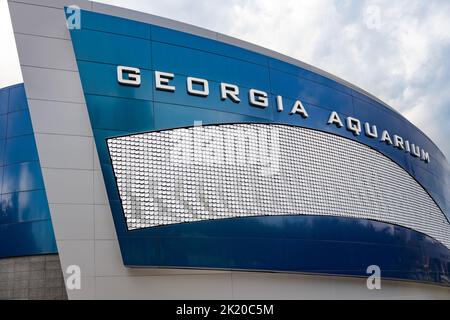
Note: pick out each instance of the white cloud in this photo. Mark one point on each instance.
(9, 61)
(398, 50)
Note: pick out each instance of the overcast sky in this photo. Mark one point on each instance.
(398, 50)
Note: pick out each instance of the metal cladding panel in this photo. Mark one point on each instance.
(25, 224)
(243, 170)
(332, 244)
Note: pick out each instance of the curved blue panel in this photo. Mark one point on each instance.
(26, 239)
(113, 48)
(25, 225)
(290, 243)
(20, 149)
(3, 126)
(315, 244)
(24, 206)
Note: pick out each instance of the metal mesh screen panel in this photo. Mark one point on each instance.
(241, 170)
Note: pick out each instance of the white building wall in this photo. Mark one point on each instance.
(76, 192)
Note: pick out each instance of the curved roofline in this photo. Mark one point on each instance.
(12, 86)
(202, 32)
(199, 31)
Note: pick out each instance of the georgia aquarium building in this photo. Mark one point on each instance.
(146, 158)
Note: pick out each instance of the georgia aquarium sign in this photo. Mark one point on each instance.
(147, 86)
(130, 76)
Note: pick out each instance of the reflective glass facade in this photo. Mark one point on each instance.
(269, 190)
(25, 223)
(306, 240)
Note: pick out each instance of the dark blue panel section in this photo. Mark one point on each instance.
(17, 98)
(3, 125)
(20, 149)
(106, 23)
(213, 101)
(108, 175)
(19, 123)
(317, 118)
(1, 182)
(307, 91)
(120, 114)
(317, 244)
(377, 115)
(24, 206)
(25, 226)
(112, 48)
(183, 39)
(219, 68)
(22, 177)
(101, 79)
(4, 96)
(184, 53)
(100, 141)
(116, 206)
(24, 239)
(186, 116)
(2, 152)
(306, 74)
(327, 245)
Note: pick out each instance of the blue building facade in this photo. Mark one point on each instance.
(293, 243)
(354, 184)
(25, 223)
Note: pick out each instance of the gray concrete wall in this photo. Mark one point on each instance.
(34, 277)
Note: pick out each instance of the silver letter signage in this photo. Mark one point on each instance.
(385, 137)
(299, 109)
(204, 92)
(258, 98)
(371, 131)
(229, 91)
(334, 119)
(162, 81)
(199, 87)
(354, 125)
